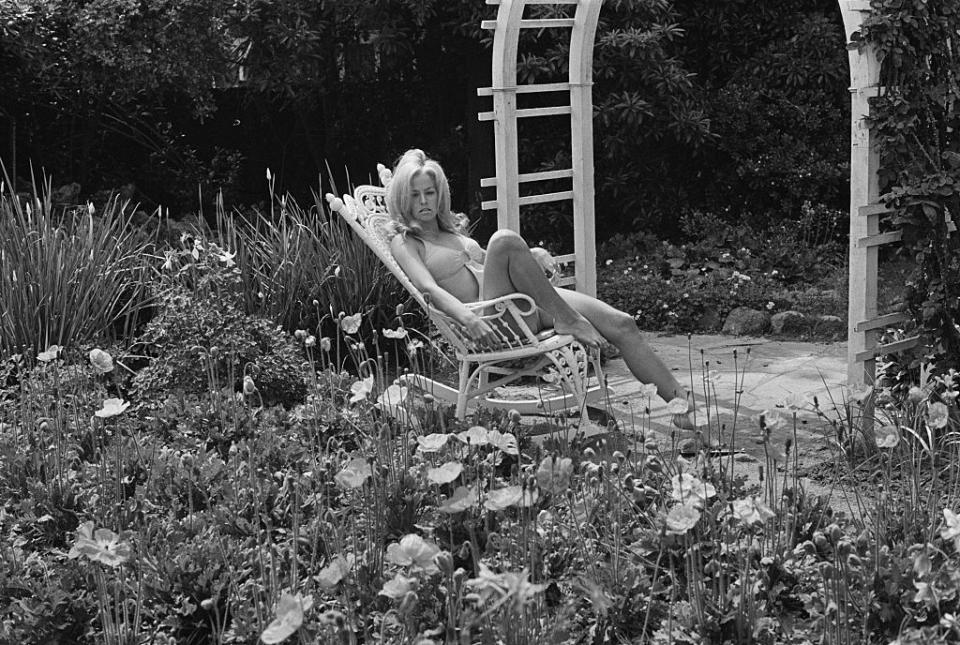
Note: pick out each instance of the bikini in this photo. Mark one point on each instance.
(445, 263)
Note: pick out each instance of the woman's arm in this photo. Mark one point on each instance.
(407, 255)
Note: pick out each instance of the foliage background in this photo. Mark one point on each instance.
(731, 108)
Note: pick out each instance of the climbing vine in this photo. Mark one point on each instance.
(916, 125)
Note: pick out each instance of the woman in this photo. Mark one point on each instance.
(452, 268)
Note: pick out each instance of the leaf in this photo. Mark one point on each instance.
(445, 473)
(462, 499)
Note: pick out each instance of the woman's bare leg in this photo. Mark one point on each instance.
(621, 331)
(510, 268)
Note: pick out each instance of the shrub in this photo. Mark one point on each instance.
(201, 339)
(70, 276)
(692, 287)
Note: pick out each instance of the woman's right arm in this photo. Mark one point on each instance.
(407, 255)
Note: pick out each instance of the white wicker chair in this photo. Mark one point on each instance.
(560, 362)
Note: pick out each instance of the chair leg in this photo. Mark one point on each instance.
(463, 387)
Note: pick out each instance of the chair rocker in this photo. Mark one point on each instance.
(560, 362)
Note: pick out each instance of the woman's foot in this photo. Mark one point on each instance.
(684, 421)
(583, 331)
(683, 409)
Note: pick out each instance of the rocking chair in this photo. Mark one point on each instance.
(559, 362)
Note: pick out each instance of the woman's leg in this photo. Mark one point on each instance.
(510, 268)
(620, 330)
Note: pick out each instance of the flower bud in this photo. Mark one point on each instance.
(653, 464)
(408, 604)
(444, 561)
(844, 548)
(835, 533)
(820, 540)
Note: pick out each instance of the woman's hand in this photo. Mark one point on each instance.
(546, 262)
(480, 332)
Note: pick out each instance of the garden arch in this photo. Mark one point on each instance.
(505, 115)
(866, 209)
(865, 238)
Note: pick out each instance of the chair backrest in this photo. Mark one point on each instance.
(366, 213)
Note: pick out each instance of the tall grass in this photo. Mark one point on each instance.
(68, 276)
(300, 265)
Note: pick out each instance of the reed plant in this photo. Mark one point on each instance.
(301, 265)
(69, 275)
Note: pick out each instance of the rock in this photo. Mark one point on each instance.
(744, 321)
(787, 322)
(688, 447)
(827, 322)
(709, 319)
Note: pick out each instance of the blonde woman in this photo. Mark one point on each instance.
(443, 262)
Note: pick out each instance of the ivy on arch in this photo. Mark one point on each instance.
(915, 128)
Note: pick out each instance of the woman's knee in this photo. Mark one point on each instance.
(622, 327)
(506, 239)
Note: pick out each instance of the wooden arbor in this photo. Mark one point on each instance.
(865, 210)
(505, 115)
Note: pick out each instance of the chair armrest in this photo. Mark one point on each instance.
(524, 303)
(505, 314)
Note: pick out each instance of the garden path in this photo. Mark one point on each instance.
(766, 373)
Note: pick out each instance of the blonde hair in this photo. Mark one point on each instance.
(412, 163)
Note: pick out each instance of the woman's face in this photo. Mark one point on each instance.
(424, 198)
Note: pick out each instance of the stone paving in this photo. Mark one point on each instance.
(764, 372)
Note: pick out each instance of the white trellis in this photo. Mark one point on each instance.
(505, 114)
(865, 323)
